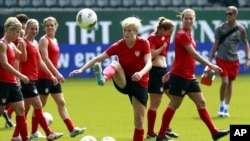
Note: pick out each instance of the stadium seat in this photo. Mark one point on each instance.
(165, 3)
(24, 3)
(64, 3)
(90, 3)
(38, 3)
(51, 3)
(77, 3)
(116, 3)
(244, 3)
(11, 3)
(1, 3)
(190, 2)
(102, 3)
(202, 2)
(128, 3)
(178, 2)
(140, 3)
(153, 2)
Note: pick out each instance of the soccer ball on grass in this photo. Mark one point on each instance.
(86, 18)
(48, 117)
(88, 138)
(108, 138)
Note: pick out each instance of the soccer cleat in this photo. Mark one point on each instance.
(37, 134)
(153, 136)
(9, 124)
(53, 136)
(98, 74)
(162, 139)
(220, 134)
(77, 131)
(171, 134)
(17, 138)
(221, 111)
(226, 113)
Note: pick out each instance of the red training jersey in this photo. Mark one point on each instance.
(157, 41)
(6, 76)
(184, 63)
(30, 67)
(131, 59)
(53, 54)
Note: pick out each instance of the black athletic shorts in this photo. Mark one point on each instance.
(29, 90)
(179, 86)
(45, 86)
(155, 84)
(9, 92)
(133, 88)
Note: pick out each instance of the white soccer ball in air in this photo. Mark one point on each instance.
(86, 18)
(48, 117)
(108, 138)
(88, 138)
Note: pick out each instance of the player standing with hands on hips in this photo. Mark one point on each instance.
(50, 51)
(182, 79)
(227, 37)
(130, 74)
(159, 43)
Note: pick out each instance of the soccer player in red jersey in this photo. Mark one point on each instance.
(182, 79)
(8, 109)
(130, 74)
(29, 67)
(159, 43)
(10, 92)
(50, 51)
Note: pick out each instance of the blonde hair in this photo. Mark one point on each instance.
(31, 21)
(50, 19)
(12, 23)
(233, 8)
(132, 21)
(181, 14)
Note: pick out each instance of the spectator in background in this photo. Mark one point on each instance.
(227, 55)
(182, 80)
(159, 43)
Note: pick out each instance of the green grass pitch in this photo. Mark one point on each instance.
(106, 112)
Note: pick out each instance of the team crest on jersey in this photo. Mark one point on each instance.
(46, 90)
(137, 53)
(3, 100)
(183, 92)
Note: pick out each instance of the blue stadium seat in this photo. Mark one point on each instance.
(128, 3)
(77, 3)
(1, 3)
(190, 2)
(165, 3)
(178, 2)
(140, 3)
(38, 3)
(244, 3)
(90, 3)
(24, 3)
(202, 2)
(153, 2)
(64, 3)
(102, 3)
(116, 3)
(51, 3)
(11, 3)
